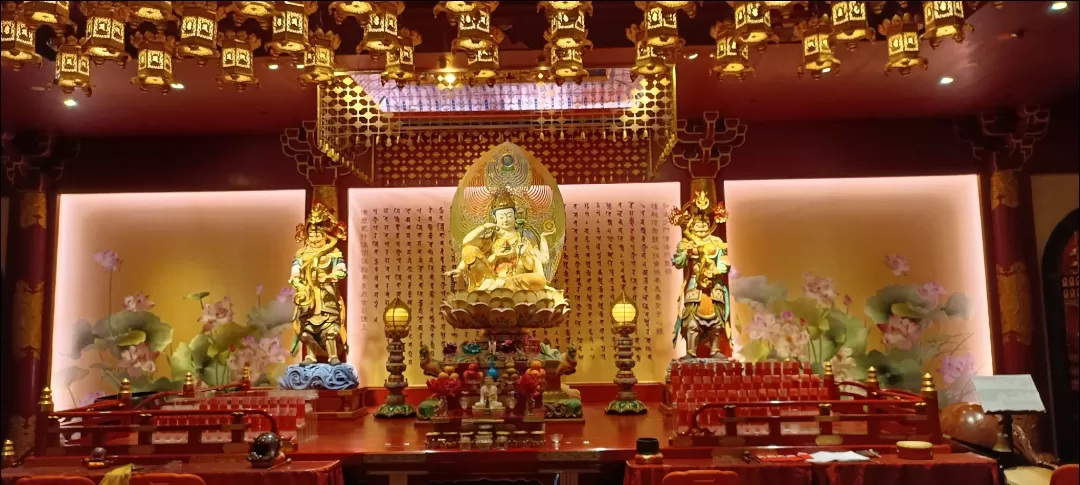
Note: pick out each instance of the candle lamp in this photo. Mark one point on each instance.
(396, 319)
(624, 314)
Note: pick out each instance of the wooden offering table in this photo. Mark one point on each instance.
(231, 473)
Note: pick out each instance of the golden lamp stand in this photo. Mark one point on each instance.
(396, 319)
(624, 314)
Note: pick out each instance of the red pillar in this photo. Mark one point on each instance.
(1012, 274)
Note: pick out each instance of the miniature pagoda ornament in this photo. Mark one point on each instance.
(705, 318)
(320, 310)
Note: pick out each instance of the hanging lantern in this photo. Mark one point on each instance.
(16, 40)
(156, 13)
(484, 65)
(944, 19)
(104, 39)
(238, 59)
(400, 64)
(566, 26)
(72, 67)
(818, 55)
(785, 8)
(155, 60)
(262, 12)
(198, 30)
(381, 28)
(473, 20)
(753, 23)
(566, 64)
(319, 59)
(849, 23)
(290, 31)
(56, 15)
(649, 60)
(344, 10)
(661, 24)
(902, 35)
(732, 55)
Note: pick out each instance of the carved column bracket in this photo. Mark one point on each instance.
(704, 149)
(301, 144)
(1005, 138)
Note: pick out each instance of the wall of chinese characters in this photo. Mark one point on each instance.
(617, 239)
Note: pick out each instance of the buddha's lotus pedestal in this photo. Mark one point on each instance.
(506, 316)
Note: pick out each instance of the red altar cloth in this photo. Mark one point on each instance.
(948, 469)
(239, 473)
(750, 474)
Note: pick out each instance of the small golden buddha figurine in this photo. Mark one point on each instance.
(504, 252)
(316, 269)
(705, 317)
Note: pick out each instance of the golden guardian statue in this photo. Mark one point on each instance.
(318, 266)
(705, 320)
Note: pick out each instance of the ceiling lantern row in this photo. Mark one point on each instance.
(289, 34)
(902, 37)
(817, 44)
(72, 66)
(401, 62)
(732, 54)
(16, 39)
(380, 27)
(198, 31)
(661, 23)
(238, 59)
(849, 23)
(104, 38)
(476, 36)
(567, 39)
(156, 52)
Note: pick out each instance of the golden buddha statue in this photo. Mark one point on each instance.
(318, 266)
(504, 253)
(706, 314)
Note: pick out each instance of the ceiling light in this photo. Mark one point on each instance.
(692, 56)
(177, 85)
(272, 66)
(1059, 6)
(70, 103)
(946, 80)
(826, 70)
(299, 66)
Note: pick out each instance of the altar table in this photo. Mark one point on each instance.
(238, 473)
(945, 469)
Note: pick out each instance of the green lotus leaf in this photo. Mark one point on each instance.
(158, 334)
(896, 370)
(746, 289)
(215, 374)
(755, 351)
(198, 295)
(141, 383)
(225, 336)
(806, 310)
(182, 361)
(83, 338)
(880, 306)
(907, 310)
(957, 306)
(71, 374)
(131, 338)
(163, 384)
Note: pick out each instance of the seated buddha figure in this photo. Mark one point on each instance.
(504, 253)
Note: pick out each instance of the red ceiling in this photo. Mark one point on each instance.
(990, 68)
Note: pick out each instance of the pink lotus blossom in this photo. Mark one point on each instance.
(792, 341)
(216, 314)
(258, 290)
(138, 302)
(847, 300)
(901, 333)
(843, 364)
(137, 360)
(931, 291)
(819, 288)
(897, 264)
(108, 260)
(259, 353)
(787, 316)
(90, 398)
(760, 326)
(286, 294)
(956, 368)
(733, 273)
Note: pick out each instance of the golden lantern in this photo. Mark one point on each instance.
(732, 55)
(649, 60)
(785, 8)
(72, 67)
(344, 10)
(473, 20)
(566, 64)
(381, 28)
(158, 13)
(624, 314)
(484, 65)
(396, 318)
(400, 63)
(262, 12)
(902, 35)
(319, 59)
(104, 39)
(238, 59)
(16, 39)
(753, 23)
(155, 60)
(818, 55)
(944, 19)
(661, 24)
(289, 34)
(566, 26)
(849, 23)
(198, 30)
(52, 14)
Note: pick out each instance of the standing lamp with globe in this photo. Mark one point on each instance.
(396, 319)
(624, 314)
